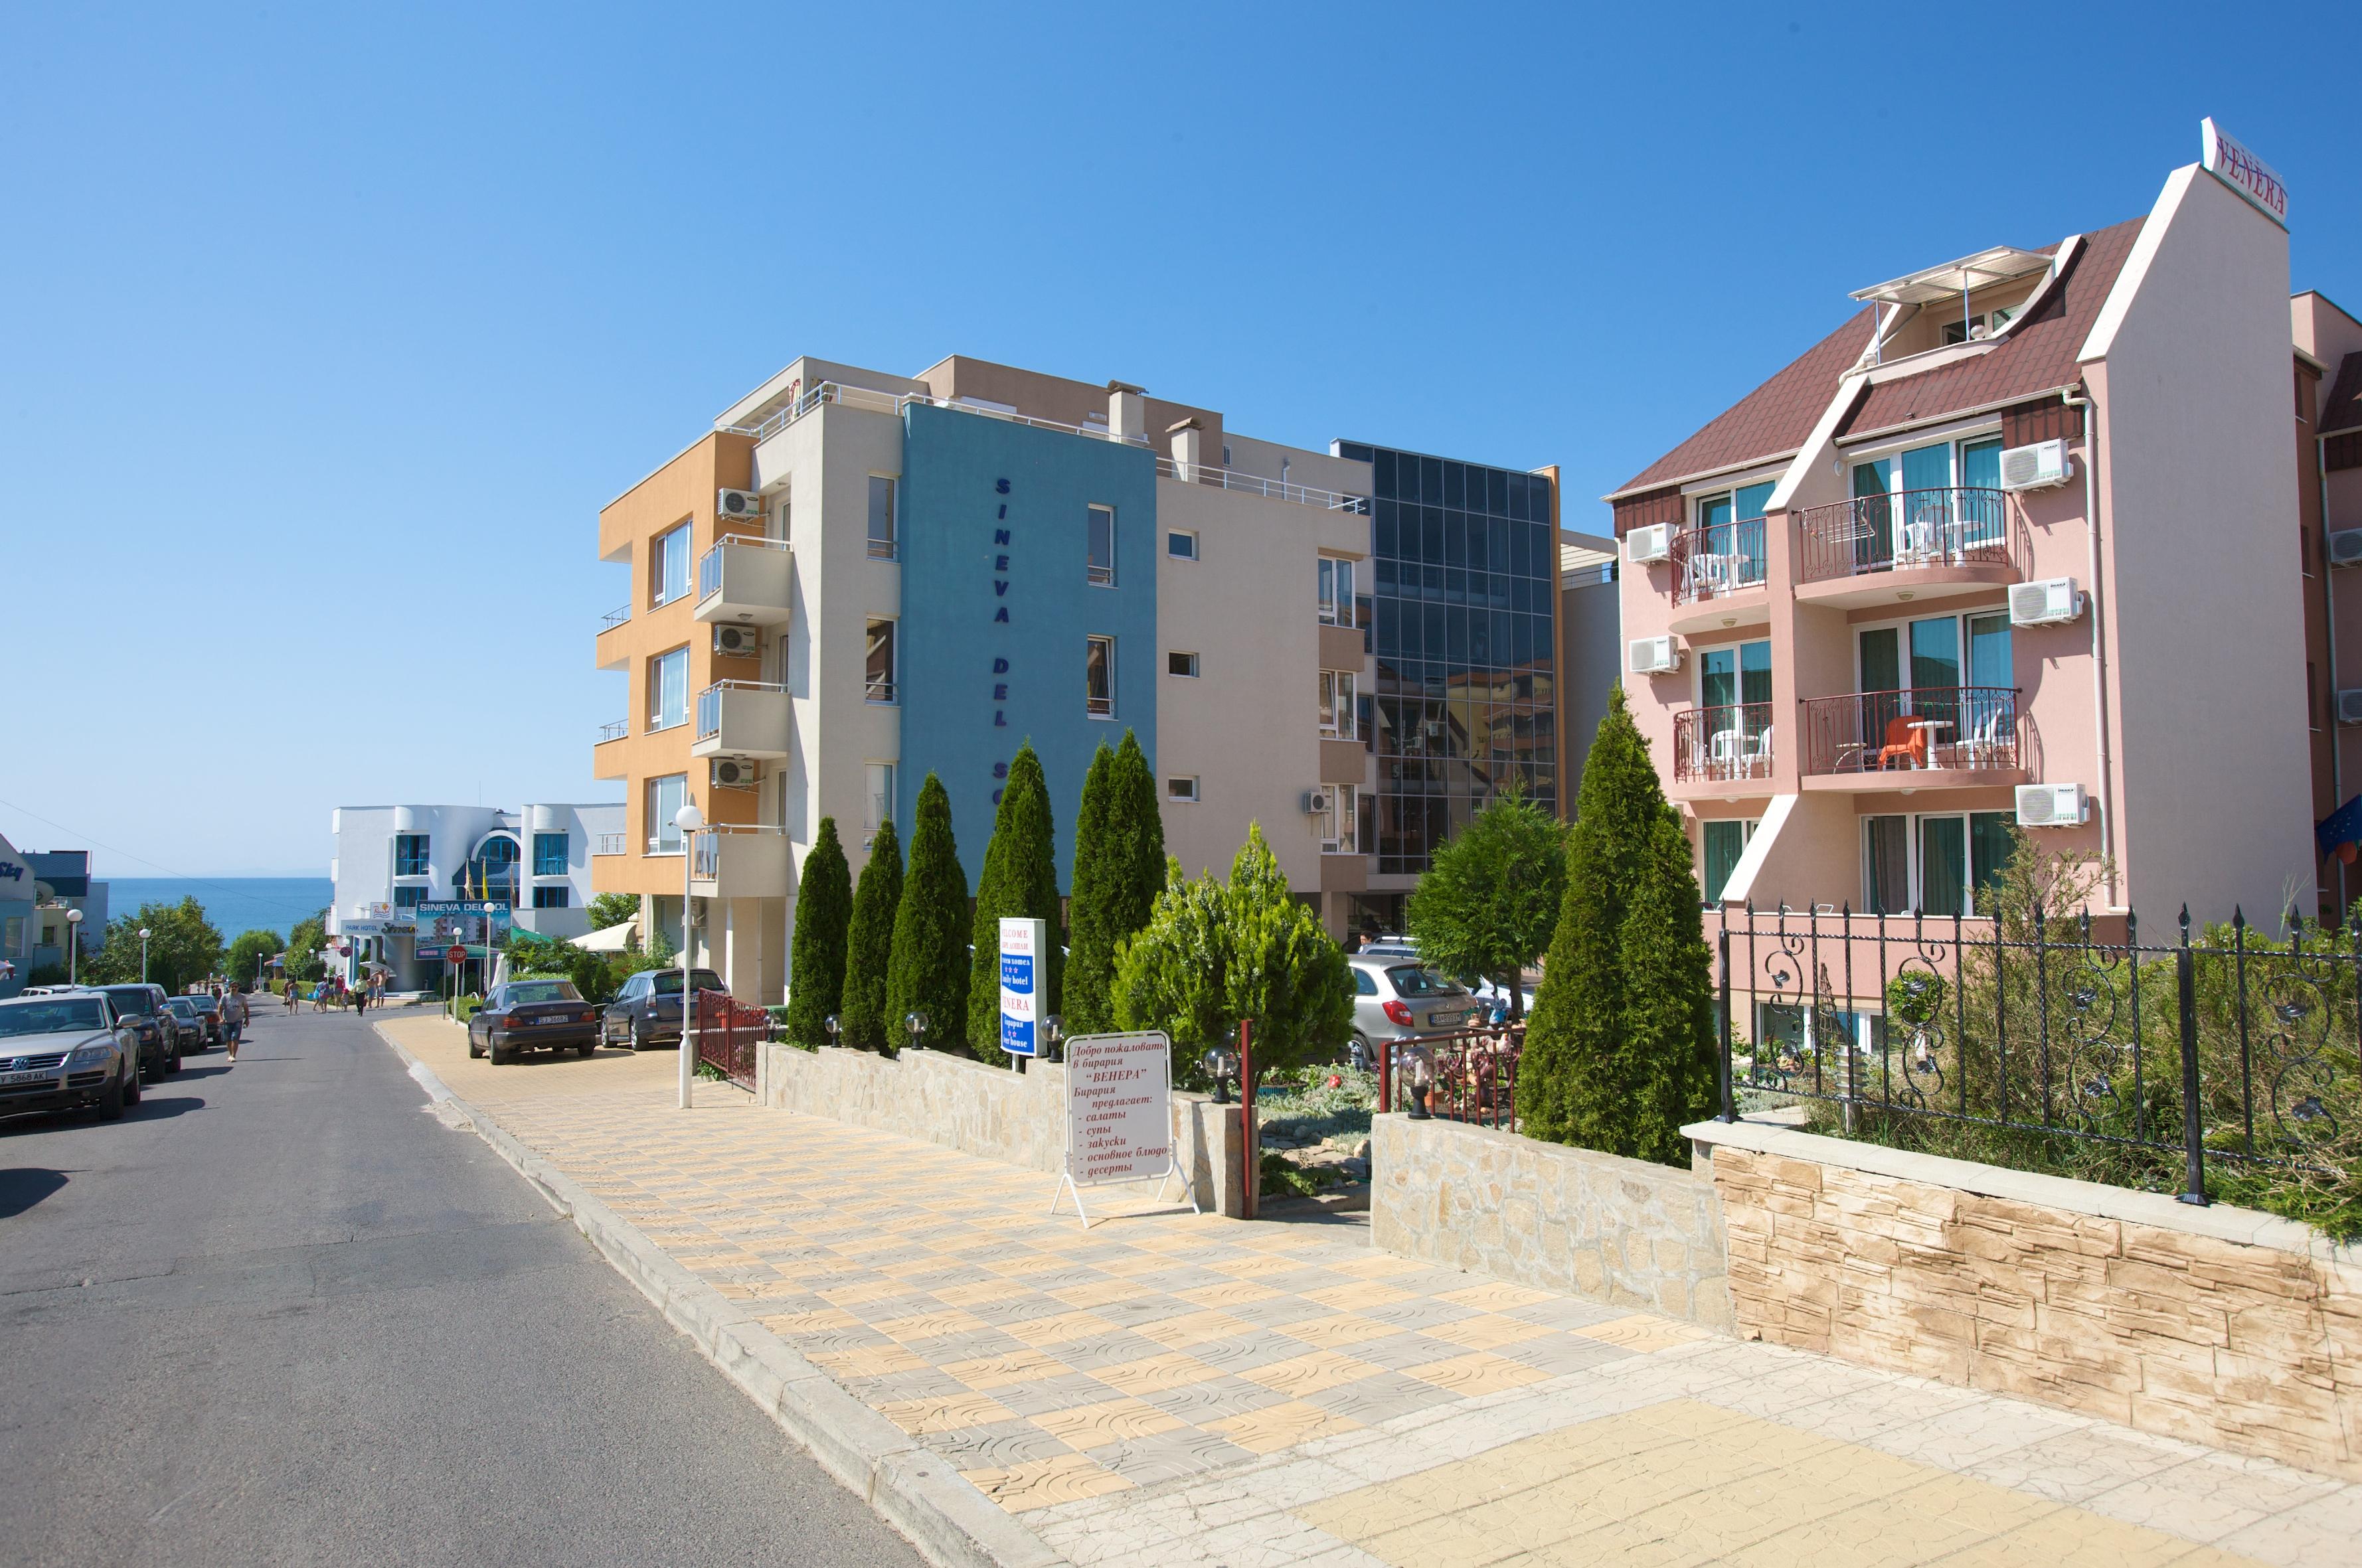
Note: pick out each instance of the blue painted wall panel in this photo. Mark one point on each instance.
(992, 631)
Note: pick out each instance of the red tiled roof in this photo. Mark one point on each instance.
(2039, 355)
(1770, 420)
(2344, 409)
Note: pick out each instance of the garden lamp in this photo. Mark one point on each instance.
(1222, 1064)
(834, 1025)
(144, 934)
(74, 942)
(917, 1023)
(1053, 1030)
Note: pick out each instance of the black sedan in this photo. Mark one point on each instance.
(647, 1012)
(532, 1014)
(197, 1026)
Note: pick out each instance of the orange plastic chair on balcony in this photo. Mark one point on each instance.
(1902, 740)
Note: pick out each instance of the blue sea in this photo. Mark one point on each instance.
(233, 904)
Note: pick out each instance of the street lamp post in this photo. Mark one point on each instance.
(689, 819)
(143, 954)
(74, 944)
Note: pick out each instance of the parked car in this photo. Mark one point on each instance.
(192, 1023)
(533, 1015)
(646, 1013)
(1395, 999)
(141, 1006)
(209, 1008)
(64, 1049)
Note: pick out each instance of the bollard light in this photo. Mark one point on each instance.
(917, 1023)
(1222, 1064)
(834, 1025)
(1053, 1032)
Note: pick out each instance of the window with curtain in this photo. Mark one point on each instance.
(549, 854)
(666, 795)
(1735, 674)
(668, 565)
(668, 689)
(1732, 524)
(1989, 847)
(880, 673)
(1943, 866)
(1724, 842)
(879, 780)
(1983, 508)
(1886, 865)
(1098, 676)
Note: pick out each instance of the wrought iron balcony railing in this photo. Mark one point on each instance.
(1968, 728)
(1729, 740)
(1716, 559)
(1950, 526)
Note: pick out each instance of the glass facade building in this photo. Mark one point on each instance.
(1462, 598)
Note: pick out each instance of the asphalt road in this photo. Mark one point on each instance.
(280, 1314)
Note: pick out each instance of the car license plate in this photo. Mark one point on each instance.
(1444, 1020)
(553, 1020)
(27, 1076)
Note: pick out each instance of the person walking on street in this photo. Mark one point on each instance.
(360, 1000)
(233, 1016)
(290, 984)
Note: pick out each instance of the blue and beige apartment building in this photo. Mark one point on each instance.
(854, 579)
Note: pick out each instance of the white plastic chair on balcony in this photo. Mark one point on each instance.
(1708, 575)
(1755, 760)
(1983, 749)
(1725, 748)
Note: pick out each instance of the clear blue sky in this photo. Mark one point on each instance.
(330, 329)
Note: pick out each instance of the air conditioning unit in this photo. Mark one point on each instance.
(2035, 467)
(738, 642)
(2349, 705)
(2345, 547)
(1315, 803)
(2044, 603)
(738, 505)
(732, 773)
(1654, 655)
(2051, 806)
(1651, 542)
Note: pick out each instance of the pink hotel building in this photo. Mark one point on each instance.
(2026, 539)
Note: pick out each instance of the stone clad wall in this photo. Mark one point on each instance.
(991, 1112)
(2214, 1324)
(1622, 1231)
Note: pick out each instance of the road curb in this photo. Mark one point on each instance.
(911, 1487)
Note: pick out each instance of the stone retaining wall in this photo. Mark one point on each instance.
(2215, 1325)
(1623, 1231)
(991, 1112)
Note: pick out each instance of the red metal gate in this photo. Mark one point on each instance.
(727, 1035)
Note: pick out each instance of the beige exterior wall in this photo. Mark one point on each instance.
(1247, 727)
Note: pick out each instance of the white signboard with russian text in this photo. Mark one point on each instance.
(2232, 163)
(1119, 1111)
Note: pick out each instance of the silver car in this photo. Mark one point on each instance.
(1395, 998)
(65, 1050)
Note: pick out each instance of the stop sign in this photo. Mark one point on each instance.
(457, 955)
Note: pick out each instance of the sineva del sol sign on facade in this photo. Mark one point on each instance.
(2230, 162)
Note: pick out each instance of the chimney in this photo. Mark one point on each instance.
(1127, 411)
(1185, 437)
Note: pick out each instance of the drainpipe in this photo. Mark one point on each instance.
(2099, 642)
(2329, 621)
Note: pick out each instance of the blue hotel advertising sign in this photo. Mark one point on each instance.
(1022, 947)
(463, 922)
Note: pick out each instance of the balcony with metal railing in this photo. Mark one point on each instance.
(746, 580)
(1925, 543)
(1718, 576)
(610, 843)
(613, 653)
(739, 859)
(743, 719)
(1726, 747)
(1255, 485)
(614, 729)
(1926, 738)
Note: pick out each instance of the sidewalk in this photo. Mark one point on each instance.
(1169, 1390)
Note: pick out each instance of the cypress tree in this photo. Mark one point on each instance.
(870, 948)
(1021, 879)
(928, 971)
(1090, 966)
(824, 909)
(1137, 831)
(1620, 1051)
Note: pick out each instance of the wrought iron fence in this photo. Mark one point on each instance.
(2220, 1045)
(1729, 740)
(1945, 526)
(728, 1034)
(1717, 558)
(1930, 727)
(1468, 1075)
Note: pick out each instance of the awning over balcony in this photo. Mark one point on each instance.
(1983, 270)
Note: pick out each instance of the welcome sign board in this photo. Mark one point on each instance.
(1119, 1113)
(1022, 945)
